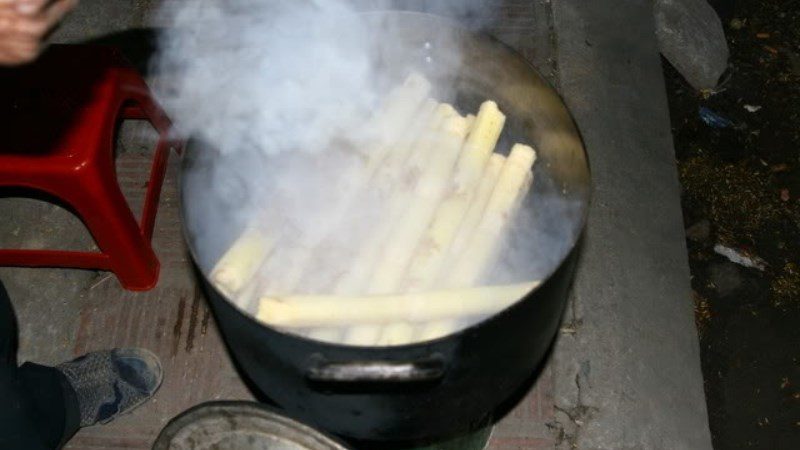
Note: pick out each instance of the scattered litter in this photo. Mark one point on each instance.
(106, 277)
(752, 108)
(708, 93)
(785, 195)
(772, 50)
(727, 76)
(713, 119)
(737, 24)
(762, 35)
(739, 257)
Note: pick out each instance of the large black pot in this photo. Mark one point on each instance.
(451, 385)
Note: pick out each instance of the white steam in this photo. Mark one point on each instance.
(273, 75)
(275, 94)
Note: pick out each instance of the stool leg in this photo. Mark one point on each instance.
(133, 88)
(113, 226)
(153, 195)
(137, 103)
(147, 109)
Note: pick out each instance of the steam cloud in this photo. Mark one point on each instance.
(282, 75)
(260, 83)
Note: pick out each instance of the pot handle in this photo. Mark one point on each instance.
(427, 370)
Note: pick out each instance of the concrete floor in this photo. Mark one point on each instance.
(629, 376)
(625, 372)
(87, 310)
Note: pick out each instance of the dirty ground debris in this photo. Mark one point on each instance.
(744, 182)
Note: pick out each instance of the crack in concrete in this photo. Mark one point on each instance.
(567, 435)
(557, 428)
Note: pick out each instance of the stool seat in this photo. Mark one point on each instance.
(59, 117)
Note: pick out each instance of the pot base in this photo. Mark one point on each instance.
(477, 440)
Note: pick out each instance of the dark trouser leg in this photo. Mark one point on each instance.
(38, 408)
(8, 330)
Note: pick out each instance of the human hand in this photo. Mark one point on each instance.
(24, 24)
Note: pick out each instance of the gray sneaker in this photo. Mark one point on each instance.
(110, 383)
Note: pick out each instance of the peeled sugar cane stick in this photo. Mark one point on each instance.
(384, 179)
(399, 248)
(357, 277)
(430, 188)
(480, 144)
(399, 108)
(302, 255)
(480, 251)
(395, 334)
(435, 330)
(436, 242)
(403, 333)
(365, 335)
(330, 335)
(397, 118)
(402, 101)
(397, 113)
(400, 333)
(475, 212)
(241, 261)
(413, 157)
(380, 134)
(400, 150)
(248, 296)
(471, 121)
(309, 311)
(354, 203)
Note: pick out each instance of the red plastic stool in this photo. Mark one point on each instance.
(58, 118)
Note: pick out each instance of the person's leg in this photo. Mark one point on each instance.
(8, 329)
(42, 407)
(39, 408)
